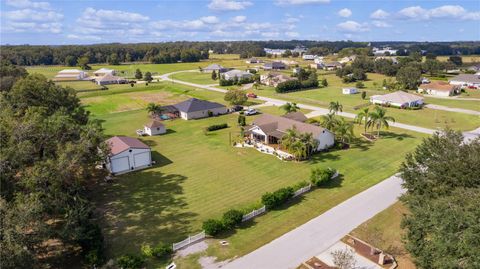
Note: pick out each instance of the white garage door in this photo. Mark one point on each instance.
(120, 164)
(141, 159)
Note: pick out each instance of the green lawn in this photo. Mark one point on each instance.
(195, 77)
(275, 110)
(81, 85)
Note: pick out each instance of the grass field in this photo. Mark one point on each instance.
(195, 77)
(387, 233)
(200, 176)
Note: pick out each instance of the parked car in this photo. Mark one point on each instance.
(237, 108)
(251, 111)
(251, 95)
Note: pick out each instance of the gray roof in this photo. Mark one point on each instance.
(298, 116)
(276, 125)
(237, 73)
(194, 104)
(214, 67)
(470, 78)
(274, 64)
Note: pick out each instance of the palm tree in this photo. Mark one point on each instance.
(290, 107)
(153, 109)
(299, 150)
(378, 118)
(335, 107)
(344, 131)
(289, 138)
(364, 114)
(329, 121)
(310, 143)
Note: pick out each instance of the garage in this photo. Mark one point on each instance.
(127, 154)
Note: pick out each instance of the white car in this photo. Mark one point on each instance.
(250, 111)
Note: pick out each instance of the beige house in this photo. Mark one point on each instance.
(70, 75)
(154, 128)
(399, 99)
(273, 79)
(439, 88)
(104, 71)
(109, 79)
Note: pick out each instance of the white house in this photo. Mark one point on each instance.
(466, 80)
(239, 74)
(317, 66)
(253, 61)
(70, 74)
(318, 60)
(127, 154)
(332, 66)
(349, 90)
(214, 67)
(154, 128)
(309, 57)
(269, 129)
(384, 51)
(439, 88)
(194, 108)
(104, 71)
(109, 79)
(399, 99)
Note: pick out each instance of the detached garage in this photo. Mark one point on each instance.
(127, 154)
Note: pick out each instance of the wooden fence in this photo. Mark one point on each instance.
(254, 213)
(188, 241)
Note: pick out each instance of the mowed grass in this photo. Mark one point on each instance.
(385, 228)
(195, 77)
(200, 176)
(80, 85)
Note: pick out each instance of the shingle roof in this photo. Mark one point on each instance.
(237, 73)
(438, 86)
(118, 144)
(154, 124)
(274, 125)
(471, 78)
(399, 97)
(298, 116)
(213, 67)
(109, 77)
(194, 104)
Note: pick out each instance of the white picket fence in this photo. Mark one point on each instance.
(254, 213)
(188, 241)
(302, 190)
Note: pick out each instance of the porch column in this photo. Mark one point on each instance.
(266, 139)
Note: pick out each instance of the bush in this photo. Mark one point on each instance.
(364, 95)
(288, 86)
(300, 185)
(162, 251)
(130, 261)
(146, 250)
(277, 198)
(319, 176)
(213, 227)
(241, 120)
(210, 113)
(217, 127)
(359, 85)
(232, 218)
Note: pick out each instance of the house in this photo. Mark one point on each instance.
(349, 90)
(384, 51)
(466, 80)
(269, 129)
(239, 74)
(154, 127)
(332, 66)
(110, 79)
(439, 88)
(253, 61)
(347, 59)
(318, 60)
(309, 57)
(214, 67)
(194, 108)
(70, 75)
(299, 49)
(273, 79)
(399, 99)
(127, 154)
(297, 116)
(393, 59)
(289, 62)
(103, 71)
(296, 70)
(277, 52)
(317, 66)
(274, 66)
(474, 68)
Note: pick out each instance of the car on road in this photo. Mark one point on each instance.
(250, 111)
(237, 108)
(251, 95)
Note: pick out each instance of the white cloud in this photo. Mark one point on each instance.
(447, 11)
(292, 34)
(442, 12)
(239, 18)
(379, 14)
(270, 34)
(32, 20)
(228, 5)
(352, 26)
(28, 4)
(210, 19)
(381, 24)
(32, 15)
(345, 13)
(84, 37)
(292, 20)
(301, 2)
(415, 12)
(112, 15)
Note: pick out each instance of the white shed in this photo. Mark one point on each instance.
(154, 128)
(127, 154)
(349, 90)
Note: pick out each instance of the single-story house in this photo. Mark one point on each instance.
(397, 99)
(332, 66)
(439, 88)
(384, 51)
(214, 67)
(349, 90)
(297, 116)
(110, 79)
(239, 74)
(474, 68)
(347, 59)
(274, 66)
(289, 62)
(309, 57)
(466, 80)
(269, 129)
(273, 79)
(253, 61)
(127, 154)
(393, 59)
(317, 66)
(104, 71)
(318, 60)
(194, 108)
(70, 75)
(154, 127)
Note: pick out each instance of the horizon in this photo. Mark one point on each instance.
(28, 22)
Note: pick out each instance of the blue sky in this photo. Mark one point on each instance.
(102, 21)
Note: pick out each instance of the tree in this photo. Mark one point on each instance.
(138, 74)
(432, 66)
(364, 95)
(457, 60)
(443, 194)
(379, 119)
(113, 59)
(83, 63)
(344, 259)
(70, 60)
(241, 120)
(148, 77)
(9, 74)
(344, 131)
(214, 75)
(289, 107)
(363, 115)
(329, 121)
(335, 107)
(154, 109)
(409, 77)
(324, 82)
(236, 97)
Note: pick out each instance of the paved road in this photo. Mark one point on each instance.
(454, 109)
(317, 235)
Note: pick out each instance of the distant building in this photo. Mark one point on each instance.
(277, 52)
(466, 80)
(439, 88)
(70, 75)
(399, 99)
(103, 71)
(273, 79)
(239, 74)
(110, 79)
(393, 59)
(253, 61)
(349, 90)
(332, 66)
(384, 51)
(214, 67)
(318, 60)
(274, 66)
(309, 57)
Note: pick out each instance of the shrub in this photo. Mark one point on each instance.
(217, 127)
(319, 176)
(241, 120)
(130, 261)
(232, 218)
(210, 113)
(277, 198)
(364, 95)
(213, 227)
(359, 85)
(300, 185)
(162, 251)
(288, 86)
(146, 250)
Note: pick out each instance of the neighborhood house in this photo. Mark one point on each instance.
(253, 61)
(317, 66)
(269, 129)
(214, 67)
(439, 88)
(397, 99)
(274, 66)
(110, 79)
(273, 79)
(466, 80)
(104, 71)
(194, 108)
(154, 128)
(332, 66)
(349, 90)
(309, 57)
(127, 154)
(239, 74)
(70, 75)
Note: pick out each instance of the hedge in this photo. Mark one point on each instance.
(217, 127)
(130, 261)
(277, 198)
(213, 227)
(319, 176)
(232, 218)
